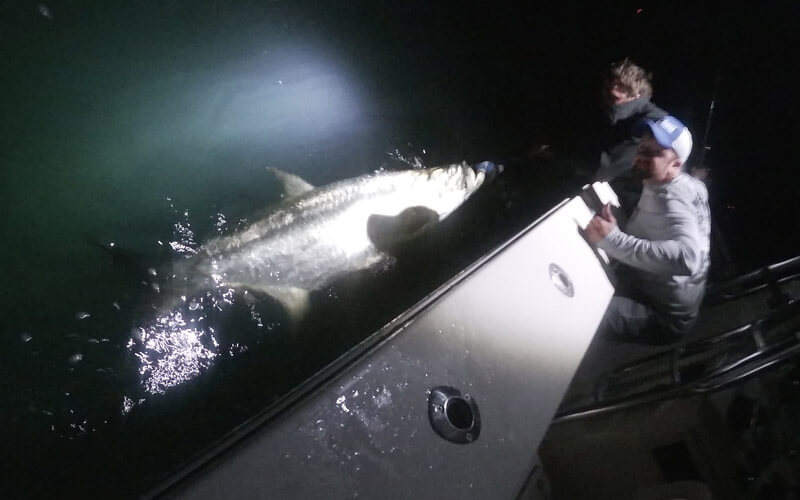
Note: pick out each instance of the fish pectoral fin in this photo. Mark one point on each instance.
(293, 299)
(386, 231)
(292, 184)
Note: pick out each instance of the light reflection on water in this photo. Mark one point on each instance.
(180, 344)
(172, 352)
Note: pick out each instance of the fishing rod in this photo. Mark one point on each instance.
(707, 131)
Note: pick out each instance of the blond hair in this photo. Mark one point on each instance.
(632, 78)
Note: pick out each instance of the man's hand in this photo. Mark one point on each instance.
(600, 225)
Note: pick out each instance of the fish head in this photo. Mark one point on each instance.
(456, 178)
(443, 189)
(421, 198)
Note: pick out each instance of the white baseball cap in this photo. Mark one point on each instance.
(669, 132)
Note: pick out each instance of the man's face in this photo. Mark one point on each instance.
(616, 93)
(654, 163)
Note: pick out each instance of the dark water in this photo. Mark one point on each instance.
(146, 124)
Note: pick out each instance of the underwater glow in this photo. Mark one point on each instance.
(286, 97)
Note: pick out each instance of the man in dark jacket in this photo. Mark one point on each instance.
(626, 91)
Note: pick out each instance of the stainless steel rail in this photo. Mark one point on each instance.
(711, 363)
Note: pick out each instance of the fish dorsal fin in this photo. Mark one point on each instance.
(292, 184)
(387, 231)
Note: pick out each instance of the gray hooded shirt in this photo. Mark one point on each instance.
(667, 242)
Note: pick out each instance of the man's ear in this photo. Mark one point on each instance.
(677, 161)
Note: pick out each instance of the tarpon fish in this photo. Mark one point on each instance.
(304, 243)
(316, 234)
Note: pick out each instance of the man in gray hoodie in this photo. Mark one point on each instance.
(662, 255)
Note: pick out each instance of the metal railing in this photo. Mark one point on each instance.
(710, 363)
(771, 277)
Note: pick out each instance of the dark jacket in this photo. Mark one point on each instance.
(618, 149)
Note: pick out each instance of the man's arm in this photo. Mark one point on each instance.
(676, 253)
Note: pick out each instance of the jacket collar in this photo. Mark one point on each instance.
(625, 110)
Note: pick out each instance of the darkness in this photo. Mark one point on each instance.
(449, 81)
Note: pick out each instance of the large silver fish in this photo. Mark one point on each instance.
(319, 233)
(304, 243)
